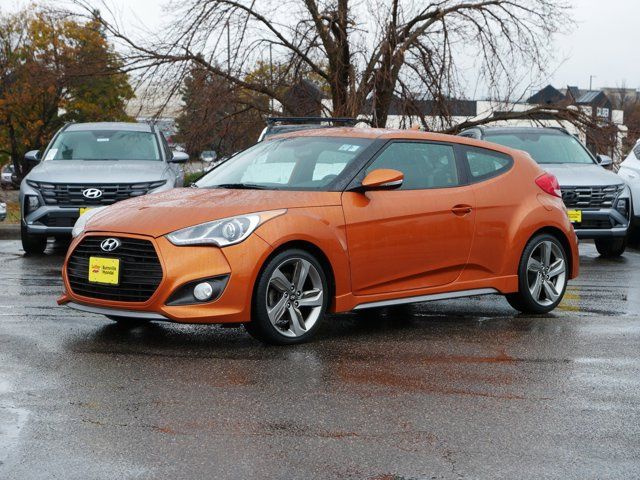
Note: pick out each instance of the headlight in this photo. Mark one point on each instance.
(224, 232)
(81, 223)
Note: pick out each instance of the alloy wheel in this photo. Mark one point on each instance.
(546, 273)
(295, 296)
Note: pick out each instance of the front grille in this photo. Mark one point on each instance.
(70, 194)
(140, 270)
(591, 197)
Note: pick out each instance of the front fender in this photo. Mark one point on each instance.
(322, 227)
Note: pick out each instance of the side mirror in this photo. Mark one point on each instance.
(605, 161)
(179, 157)
(32, 156)
(382, 179)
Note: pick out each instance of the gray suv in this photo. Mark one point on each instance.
(598, 201)
(90, 165)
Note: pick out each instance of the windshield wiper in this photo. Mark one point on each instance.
(240, 186)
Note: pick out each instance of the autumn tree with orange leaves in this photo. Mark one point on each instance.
(54, 70)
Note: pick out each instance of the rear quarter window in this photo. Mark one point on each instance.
(484, 164)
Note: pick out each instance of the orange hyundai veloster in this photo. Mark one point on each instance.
(329, 220)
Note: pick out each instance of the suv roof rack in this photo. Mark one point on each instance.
(302, 120)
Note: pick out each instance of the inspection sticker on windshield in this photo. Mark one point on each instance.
(348, 148)
(51, 154)
(575, 216)
(104, 270)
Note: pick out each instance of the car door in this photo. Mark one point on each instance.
(418, 235)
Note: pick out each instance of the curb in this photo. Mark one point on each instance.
(10, 231)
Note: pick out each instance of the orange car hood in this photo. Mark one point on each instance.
(162, 213)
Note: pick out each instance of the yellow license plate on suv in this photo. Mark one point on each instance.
(84, 210)
(104, 270)
(575, 216)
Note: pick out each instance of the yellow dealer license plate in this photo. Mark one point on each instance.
(575, 216)
(84, 210)
(104, 270)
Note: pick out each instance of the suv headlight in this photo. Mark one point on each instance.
(223, 232)
(81, 223)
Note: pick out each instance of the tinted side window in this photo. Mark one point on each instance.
(484, 164)
(425, 165)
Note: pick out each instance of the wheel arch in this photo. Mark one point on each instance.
(312, 249)
(561, 237)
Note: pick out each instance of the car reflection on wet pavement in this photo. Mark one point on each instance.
(457, 389)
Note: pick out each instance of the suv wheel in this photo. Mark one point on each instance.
(290, 299)
(542, 276)
(611, 247)
(32, 244)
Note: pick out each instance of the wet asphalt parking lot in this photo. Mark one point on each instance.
(445, 390)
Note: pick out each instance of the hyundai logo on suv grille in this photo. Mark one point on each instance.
(92, 193)
(110, 244)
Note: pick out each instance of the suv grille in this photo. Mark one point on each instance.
(591, 197)
(140, 270)
(70, 194)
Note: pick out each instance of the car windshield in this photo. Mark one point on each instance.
(297, 163)
(104, 145)
(544, 147)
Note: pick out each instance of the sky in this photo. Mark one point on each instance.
(605, 42)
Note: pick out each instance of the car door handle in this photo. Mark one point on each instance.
(461, 210)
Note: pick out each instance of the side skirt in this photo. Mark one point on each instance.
(428, 298)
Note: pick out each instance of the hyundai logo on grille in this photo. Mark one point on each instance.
(92, 193)
(110, 244)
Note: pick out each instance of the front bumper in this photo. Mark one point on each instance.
(182, 265)
(601, 223)
(50, 220)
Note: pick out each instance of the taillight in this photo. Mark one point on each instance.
(549, 183)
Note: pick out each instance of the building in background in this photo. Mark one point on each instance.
(605, 137)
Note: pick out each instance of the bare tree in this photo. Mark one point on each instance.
(365, 52)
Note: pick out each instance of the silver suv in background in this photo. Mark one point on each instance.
(630, 172)
(90, 165)
(598, 201)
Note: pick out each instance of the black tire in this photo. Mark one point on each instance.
(611, 247)
(261, 326)
(524, 300)
(32, 244)
(633, 237)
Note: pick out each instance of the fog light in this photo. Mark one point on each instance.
(622, 206)
(203, 291)
(198, 291)
(31, 203)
